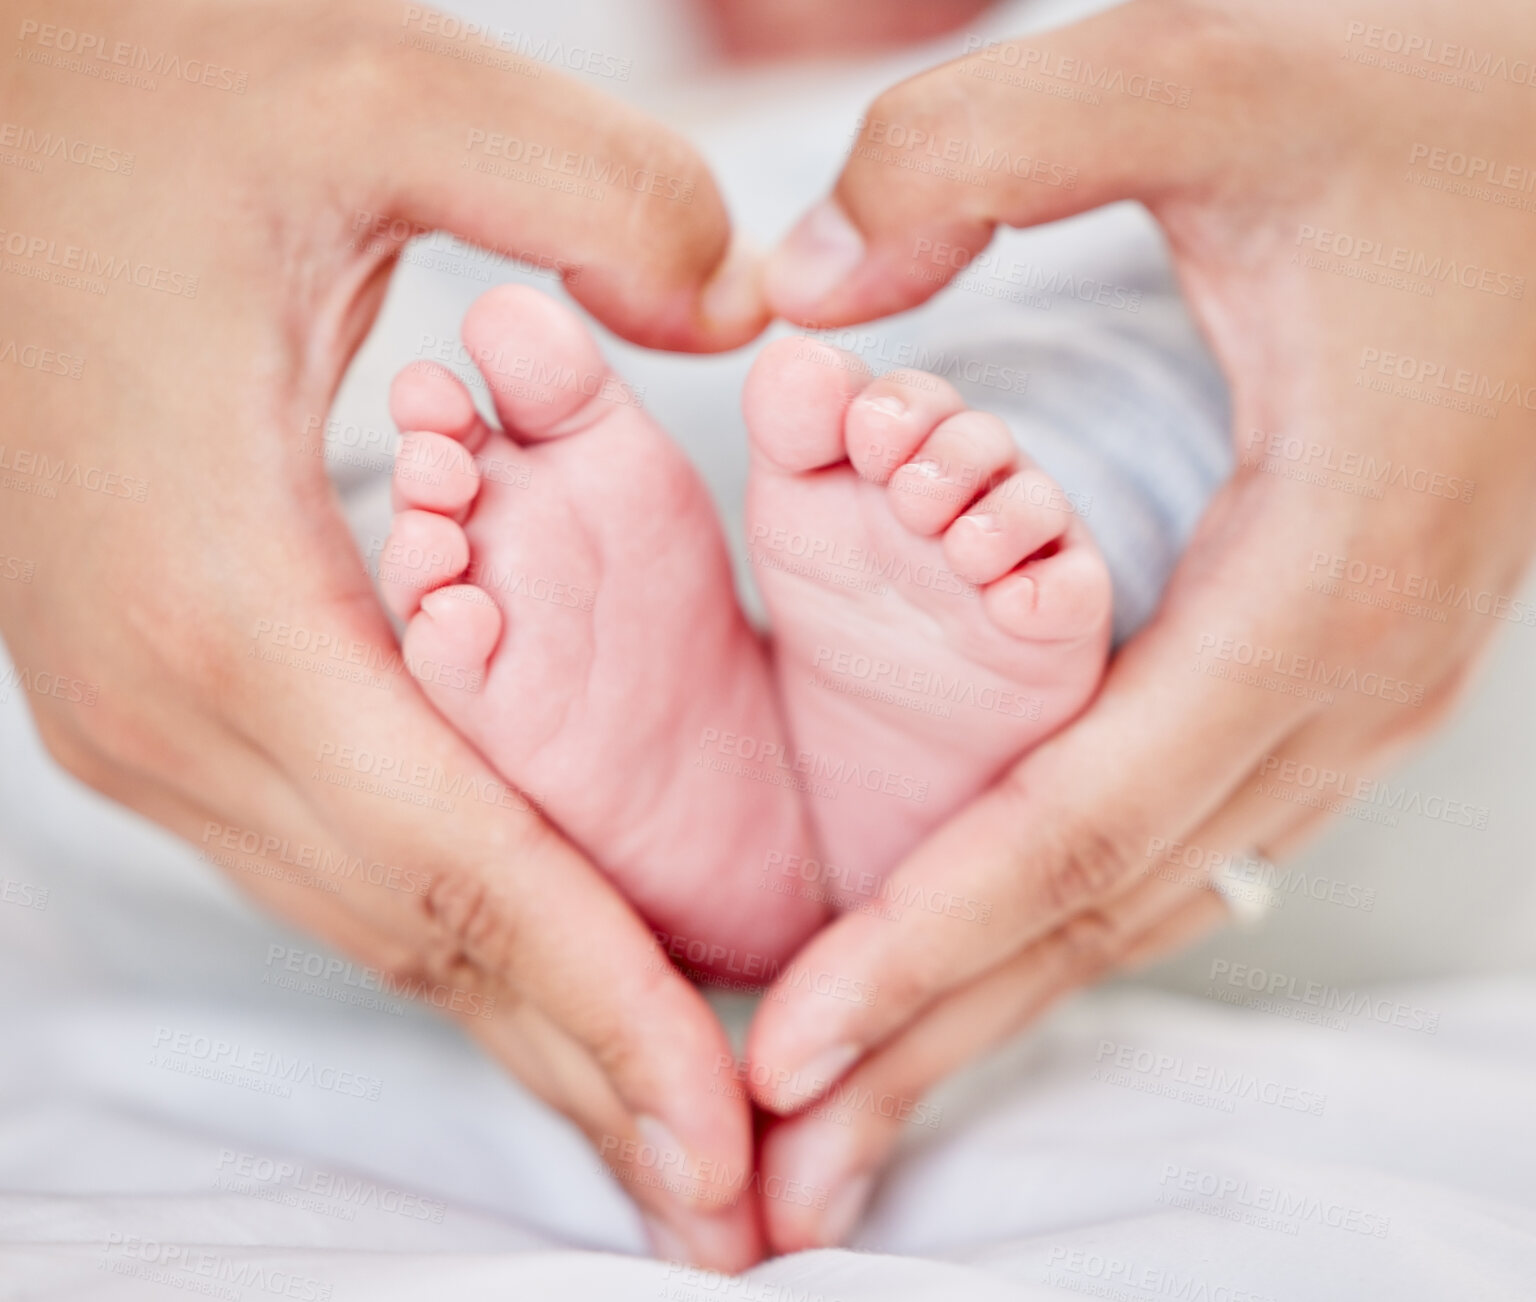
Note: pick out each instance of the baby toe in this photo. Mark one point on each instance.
(1005, 526)
(1060, 596)
(424, 550)
(449, 641)
(956, 464)
(434, 473)
(892, 418)
(426, 396)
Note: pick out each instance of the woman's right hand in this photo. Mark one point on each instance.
(186, 283)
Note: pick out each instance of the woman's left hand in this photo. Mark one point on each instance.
(1371, 320)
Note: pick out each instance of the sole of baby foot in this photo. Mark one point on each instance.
(569, 605)
(937, 607)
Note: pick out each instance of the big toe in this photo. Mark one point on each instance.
(794, 402)
(545, 372)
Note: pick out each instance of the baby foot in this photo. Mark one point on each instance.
(569, 607)
(937, 607)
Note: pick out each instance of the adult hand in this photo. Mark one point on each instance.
(203, 203)
(1304, 164)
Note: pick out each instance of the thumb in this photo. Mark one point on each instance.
(1133, 103)
(536, 166)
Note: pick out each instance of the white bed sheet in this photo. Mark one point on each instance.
(1140, 1144)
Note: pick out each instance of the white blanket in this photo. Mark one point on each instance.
(183, 1114)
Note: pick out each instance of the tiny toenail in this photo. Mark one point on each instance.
(927, 469)
(886, 405)
(985, 521)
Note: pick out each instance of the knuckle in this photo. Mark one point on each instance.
(446, 981)
(363, 60)
(1208, 32)
(1089, 863)
(617, 1053)
(75, 752)
(984, 438)
(913, 981)
(126, 743)
(476, 919)
(920, 387)
(1405, 725)
(1092, 942)
(167, 635)
(679, 217)
(116, 747)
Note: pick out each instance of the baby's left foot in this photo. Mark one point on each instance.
(937, 609)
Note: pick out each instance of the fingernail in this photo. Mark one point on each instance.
(845, 1205)
(670, 1153)
(666, 1242)
(734, 297)
(815, 258)
(829, 1160)
(816, 1076)
(663, 1154)
(924, 470)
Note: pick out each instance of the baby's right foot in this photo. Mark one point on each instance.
(937, 610)
(570, 608)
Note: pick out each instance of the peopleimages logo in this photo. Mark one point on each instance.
(1282, 664)
(837, 771)
(576, 166)
(1201, 1082)
(269, 1071)
(541, 49)
(102, 57)
(1112, 1275)
(310, 972)
(877, 135)
(203, 1272)
(58, 147)
(1474, 167)
(1432, 268)
(1099, 77)
(1291, 1205)
(294, 1184)
(1435, 59)
(1449, 594)
(1316, 994)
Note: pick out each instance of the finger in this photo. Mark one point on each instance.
(1317, 772)
(1063, 830)
(321, 899)
(841, 1143)
(1205, 912)
(562, 1073)
(490, 886)
(520, 159)
(944, 158)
